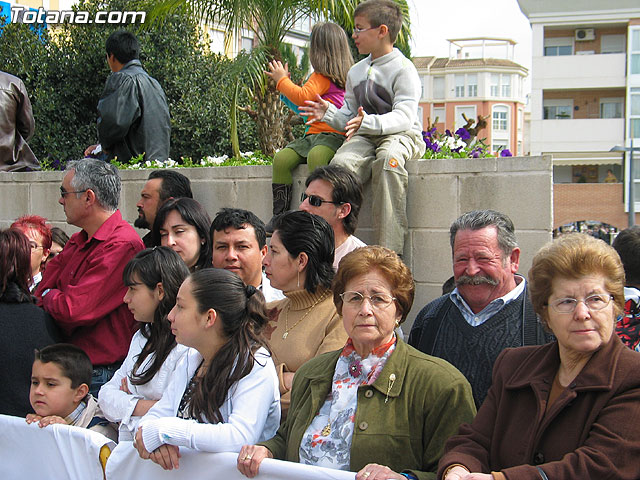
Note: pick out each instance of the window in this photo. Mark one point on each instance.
(459, 85)
(247, 44)
(558, 46)
(439, 115)
(497, 145)
(635, 113)
(556, 112)
(438, 87)
(520, 119)
(216, 43)
(635, 51)
(505, 81)
(612, 43)
(611, 107)
(495, 85)
(468, 110)
(557, 109)
(472, 85)
(500, 114)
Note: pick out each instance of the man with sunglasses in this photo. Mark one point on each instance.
(82, 287)
(335, 194)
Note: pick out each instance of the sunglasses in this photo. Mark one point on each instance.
(316, 201)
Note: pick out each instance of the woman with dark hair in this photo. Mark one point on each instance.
(376, 406)
(225, 390)
(305, 323)
(183, 225)
(24, 326)
(152, 278)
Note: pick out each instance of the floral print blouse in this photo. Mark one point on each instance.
(327, 440)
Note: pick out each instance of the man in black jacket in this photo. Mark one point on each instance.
(133, 111)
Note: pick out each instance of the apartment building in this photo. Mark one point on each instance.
(585, 100)
(479, 78)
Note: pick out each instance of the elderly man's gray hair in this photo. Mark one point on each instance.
(99, 176)
(479, 219)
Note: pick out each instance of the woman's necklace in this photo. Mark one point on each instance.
(286, 317)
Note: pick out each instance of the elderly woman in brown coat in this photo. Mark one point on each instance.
(569, 409)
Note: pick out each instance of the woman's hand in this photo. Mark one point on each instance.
(456, 473)
(476, 476)
(167, 456)
(124, 385)
(250, 458)
(138, 444)
(373, 471)
(277, 71)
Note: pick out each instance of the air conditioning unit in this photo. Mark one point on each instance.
(585, 34)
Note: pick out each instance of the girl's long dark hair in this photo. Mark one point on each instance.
(150, 267)
(243, 313)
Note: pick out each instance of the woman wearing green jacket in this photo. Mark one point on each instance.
(378, 406)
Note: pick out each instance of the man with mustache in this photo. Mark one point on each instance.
(162, 185)
(489, 310)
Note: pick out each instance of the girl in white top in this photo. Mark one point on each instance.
(153, 278)
(225, 394)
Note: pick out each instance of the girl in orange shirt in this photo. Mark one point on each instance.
(331, 59)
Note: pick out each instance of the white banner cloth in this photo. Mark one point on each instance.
(53, 452)
(125, 463)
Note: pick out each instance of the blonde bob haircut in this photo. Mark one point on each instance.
(573, 257)
(364, 260)
(329, 52)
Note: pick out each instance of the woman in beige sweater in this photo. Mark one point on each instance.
(305, 323)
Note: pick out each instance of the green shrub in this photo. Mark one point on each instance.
(65, 69)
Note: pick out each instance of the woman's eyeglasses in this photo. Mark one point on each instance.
(593, 302)
(377, 300)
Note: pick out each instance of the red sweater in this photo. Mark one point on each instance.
(86, 290)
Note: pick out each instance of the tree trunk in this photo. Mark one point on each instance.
(270, 121)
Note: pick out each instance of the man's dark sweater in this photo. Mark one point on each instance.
(441, 330)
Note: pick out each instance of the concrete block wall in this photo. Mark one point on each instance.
(439, 192)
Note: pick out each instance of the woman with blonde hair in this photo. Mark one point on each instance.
(331, 60)
(568, 409)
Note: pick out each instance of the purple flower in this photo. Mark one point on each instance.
(447, 132)
(432, 145)
(475, 153)
(505, 153)
(463, 133)
(457, 149)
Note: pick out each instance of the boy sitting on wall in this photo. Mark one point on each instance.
(380, 118)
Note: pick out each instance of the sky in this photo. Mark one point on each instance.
(434, 21)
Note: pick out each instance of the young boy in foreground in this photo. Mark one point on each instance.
(60, 380)
(380, 117)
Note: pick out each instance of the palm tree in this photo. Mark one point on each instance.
(269, 20)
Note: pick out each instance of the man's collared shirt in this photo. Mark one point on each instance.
(476, 319)
(85, 290)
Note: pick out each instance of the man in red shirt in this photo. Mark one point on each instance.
(82, 287)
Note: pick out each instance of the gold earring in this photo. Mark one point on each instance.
(298, 278)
